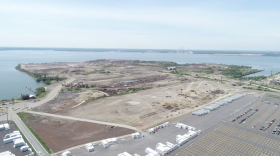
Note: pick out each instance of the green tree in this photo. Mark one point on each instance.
(40, 90)
(76, 88)
(92, 86)
(48, 82)
(134, 90)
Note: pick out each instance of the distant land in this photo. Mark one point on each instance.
(242, 54)
(216, 52)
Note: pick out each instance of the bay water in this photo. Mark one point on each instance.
(13, 83)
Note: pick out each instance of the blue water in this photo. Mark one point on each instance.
(13, 83)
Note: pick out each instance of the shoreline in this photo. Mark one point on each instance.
(240, 54)
(18, 68)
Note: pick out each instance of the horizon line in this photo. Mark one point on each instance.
(71, 48)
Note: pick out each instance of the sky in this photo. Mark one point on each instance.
(141, 24)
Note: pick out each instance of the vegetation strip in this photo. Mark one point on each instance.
(25, 116)
(40, 76)
(235, 71)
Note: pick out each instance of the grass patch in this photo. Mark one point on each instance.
(24, 117)
(260, 88)
(276, 88)
(41, 95)
(204, 71)
(161, 85)
(206, 78)
(98, 72)
(273, 96)
(181, 72)
(161, 64)
(76, 89)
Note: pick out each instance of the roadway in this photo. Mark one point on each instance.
(80, 119)
(20, 106)
(41, 151)
(51, 95)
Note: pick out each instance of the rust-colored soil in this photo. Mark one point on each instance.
(60, 134)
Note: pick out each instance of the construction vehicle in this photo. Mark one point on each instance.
(216, 91)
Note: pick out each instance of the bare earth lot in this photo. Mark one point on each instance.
(145, 108)
(141, 94)
(60, 134)
(160, 94)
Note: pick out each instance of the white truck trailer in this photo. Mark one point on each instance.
(11, 135)
(124, 154)
(136, 135)
(19, 142)
(24, 148)
(105, 143)
(9, 140)
(89, 147)
(151, 151)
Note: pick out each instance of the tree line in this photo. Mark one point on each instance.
(41, 76)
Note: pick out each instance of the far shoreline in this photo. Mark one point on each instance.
(241, 54)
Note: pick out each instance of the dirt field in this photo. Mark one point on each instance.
(137, 93)
(145, 108)
(60, 134)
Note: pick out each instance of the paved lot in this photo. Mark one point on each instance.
(205, 123)
(232, 138)
(9, 147)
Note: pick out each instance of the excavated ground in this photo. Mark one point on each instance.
(60, 134)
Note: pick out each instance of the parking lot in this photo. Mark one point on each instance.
(241, 138)
(207, 123)
(10, 146)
